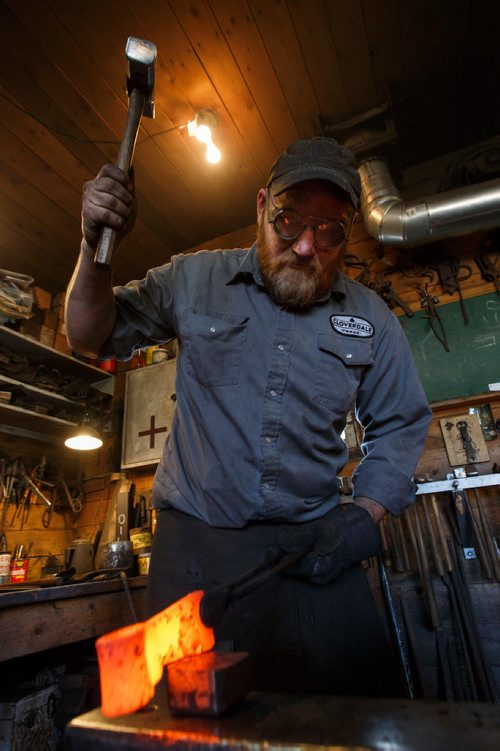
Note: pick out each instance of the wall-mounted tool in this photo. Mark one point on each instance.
(428, 303)
(451, 273)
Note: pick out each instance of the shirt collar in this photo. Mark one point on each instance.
(250, 267)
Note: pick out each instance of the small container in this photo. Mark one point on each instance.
(5, 558)
(160, 355)
(18, 570)
(140, 537)
(143, 563)
(150, 353)
(109, 364)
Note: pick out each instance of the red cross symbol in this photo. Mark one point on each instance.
(152, 431)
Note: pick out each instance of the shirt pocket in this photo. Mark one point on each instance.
(340, 363)
(215, 347)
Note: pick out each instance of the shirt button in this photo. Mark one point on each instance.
(273, 393)
(281, 347)
(268, 439)
(212, 329)
(348, 355)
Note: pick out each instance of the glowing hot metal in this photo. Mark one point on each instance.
(131, 659)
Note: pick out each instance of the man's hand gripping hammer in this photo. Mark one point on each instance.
(141, 56)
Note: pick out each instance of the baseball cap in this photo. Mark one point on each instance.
(317, 158)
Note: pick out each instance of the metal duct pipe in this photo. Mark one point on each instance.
(393, 221)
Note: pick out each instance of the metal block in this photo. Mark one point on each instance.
(209, 683)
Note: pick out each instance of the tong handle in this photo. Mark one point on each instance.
(214, 603)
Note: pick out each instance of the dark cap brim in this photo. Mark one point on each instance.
(281, 183)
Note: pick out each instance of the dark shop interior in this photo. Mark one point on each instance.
(249, 375)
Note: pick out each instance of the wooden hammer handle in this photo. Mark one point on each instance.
(105, 248)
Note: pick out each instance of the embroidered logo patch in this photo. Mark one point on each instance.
(352, 326)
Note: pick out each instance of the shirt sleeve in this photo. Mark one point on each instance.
(395, 415)
(145, 314)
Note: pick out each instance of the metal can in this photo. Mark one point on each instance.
(140, 537)
(143, 563)
(18, 570)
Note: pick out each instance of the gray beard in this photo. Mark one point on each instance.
(293, 288)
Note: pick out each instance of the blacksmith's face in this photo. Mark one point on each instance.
(301, 238)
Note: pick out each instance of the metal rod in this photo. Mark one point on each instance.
(441, 647)
(438, 564)
(126, 587)
(396, 631)
(398, 556)
(412, 641)
(479, 662)
(459, 630)
(402, 542)
(441, 534)
(386, 553)
(488, 536)
(481, 544)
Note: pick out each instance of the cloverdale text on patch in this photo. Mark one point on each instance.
(352, 325)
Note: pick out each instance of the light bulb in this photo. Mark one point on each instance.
(212, 154)
(203, 133)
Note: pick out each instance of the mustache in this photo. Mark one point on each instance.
(289, 258)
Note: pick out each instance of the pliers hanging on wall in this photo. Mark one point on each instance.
(488, 264)
(356, 262)
(428, 303)
(451, 273)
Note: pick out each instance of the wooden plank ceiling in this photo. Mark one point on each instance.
(270, 70)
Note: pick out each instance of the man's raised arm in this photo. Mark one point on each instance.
(108, 201)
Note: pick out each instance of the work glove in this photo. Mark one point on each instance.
(341, 538)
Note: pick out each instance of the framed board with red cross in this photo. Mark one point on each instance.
(148, 410)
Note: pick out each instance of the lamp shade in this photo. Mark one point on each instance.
(84, 437)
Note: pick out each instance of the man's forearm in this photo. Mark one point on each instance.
(90, 311)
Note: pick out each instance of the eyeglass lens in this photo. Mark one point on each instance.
(327, 234)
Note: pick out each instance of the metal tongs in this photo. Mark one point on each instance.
(214, 603)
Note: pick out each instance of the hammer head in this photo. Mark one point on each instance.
(141, 57)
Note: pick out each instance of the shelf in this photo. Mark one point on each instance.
(39, 395)
(40, 353)
(19, 421)
(26, 422)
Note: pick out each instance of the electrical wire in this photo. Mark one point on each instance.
(73, 137)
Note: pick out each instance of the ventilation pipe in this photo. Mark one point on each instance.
(395, 222)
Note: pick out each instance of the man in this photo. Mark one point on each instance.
(275, 347)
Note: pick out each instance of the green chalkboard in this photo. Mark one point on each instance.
(473, 361)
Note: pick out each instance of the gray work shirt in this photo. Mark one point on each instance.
(263, 392)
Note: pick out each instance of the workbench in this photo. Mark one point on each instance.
(272, 722)
(33, 619)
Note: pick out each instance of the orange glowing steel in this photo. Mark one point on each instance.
(131, 659)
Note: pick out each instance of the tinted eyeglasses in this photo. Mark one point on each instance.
(328, 233)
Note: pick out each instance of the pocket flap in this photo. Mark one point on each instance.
(350, 350)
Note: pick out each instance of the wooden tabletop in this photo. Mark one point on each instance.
(34, 619)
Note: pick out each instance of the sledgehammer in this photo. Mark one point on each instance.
(140, 55)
